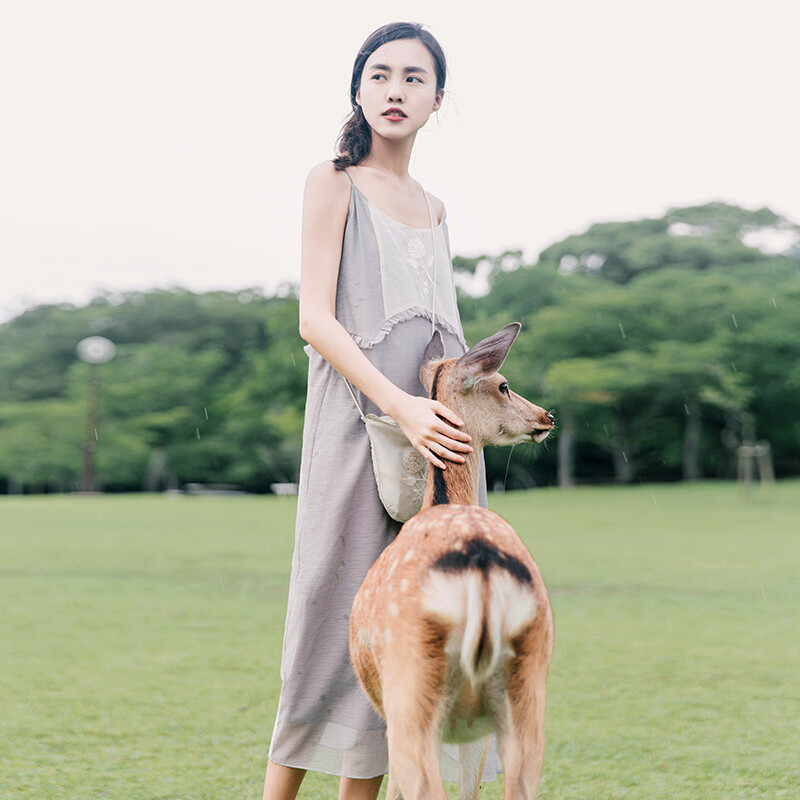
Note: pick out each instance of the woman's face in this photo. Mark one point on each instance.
(398, 88)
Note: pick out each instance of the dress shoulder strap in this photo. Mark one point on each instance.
(349, 176)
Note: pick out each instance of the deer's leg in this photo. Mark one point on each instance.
(471, 761)
(392, 790)
(413, 721)
(521, 740)
(414, 764)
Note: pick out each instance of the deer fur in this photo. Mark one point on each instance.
(451, 632)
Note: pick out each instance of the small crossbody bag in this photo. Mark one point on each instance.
(401, 471)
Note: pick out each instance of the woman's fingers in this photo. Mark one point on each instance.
(432, 459)
(446, 452)
(438, 454)
(434, 430)
(447, 416)
(453, 444)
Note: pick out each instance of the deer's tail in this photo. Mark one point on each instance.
(487, 608)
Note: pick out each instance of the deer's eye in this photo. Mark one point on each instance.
(503, 387)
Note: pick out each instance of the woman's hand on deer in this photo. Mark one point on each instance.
(433, 429)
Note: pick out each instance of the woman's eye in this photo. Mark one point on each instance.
(503, 387)
(413, 78)
(378, 76)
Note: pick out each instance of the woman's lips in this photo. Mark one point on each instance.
(393, 114)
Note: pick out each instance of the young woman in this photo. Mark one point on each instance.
(376, 277)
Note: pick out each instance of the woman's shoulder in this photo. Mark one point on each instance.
(328, 187)
(438, 206)
(326, 178)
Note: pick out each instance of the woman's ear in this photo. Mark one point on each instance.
(438, 102)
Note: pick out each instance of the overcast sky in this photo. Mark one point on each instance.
(165, 142)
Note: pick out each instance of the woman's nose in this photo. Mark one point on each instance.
(395, 92)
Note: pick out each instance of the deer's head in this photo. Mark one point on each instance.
(472, 387)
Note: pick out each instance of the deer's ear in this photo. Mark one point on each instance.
(434, 352)
(487, 356)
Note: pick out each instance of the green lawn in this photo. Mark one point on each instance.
(141, 640)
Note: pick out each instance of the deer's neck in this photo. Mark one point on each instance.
(456, 485)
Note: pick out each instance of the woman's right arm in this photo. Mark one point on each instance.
(325, 204)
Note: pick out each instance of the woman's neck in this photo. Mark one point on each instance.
(390, 158)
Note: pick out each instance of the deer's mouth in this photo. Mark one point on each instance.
(540, 434)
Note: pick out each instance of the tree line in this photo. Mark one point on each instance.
(661, 345)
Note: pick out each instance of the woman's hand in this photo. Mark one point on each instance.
(433, 429)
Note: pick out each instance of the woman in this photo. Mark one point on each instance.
(376, 278)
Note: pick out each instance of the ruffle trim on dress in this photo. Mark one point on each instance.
(403, 316)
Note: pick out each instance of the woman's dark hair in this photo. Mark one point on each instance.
(355, 139)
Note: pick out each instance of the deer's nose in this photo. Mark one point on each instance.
(549, 416)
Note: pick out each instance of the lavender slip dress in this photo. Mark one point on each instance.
(385, 299)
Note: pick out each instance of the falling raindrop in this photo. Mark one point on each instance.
(686, 409)
(294, 363)
(625, 457)
(96, 437)
(621, 330)
(205, 411)
(733, 366)
(654, 499)
(774, 303)
(735, 324)
(197, 431)
(605, 428)
(763, 594)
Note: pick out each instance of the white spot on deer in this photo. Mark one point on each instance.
(393, 609)
(365, 638)
(387, 635)
(404, 584)
(408, 556)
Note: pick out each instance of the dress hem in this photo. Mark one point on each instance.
(325, 772)
(367, 343)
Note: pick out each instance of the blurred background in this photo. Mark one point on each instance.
(621, 178)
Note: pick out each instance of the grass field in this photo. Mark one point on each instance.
(141, 639)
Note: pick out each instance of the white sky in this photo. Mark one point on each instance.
(154, 143)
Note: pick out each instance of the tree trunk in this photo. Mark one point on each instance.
(156, 468)
(623, 468)
(691, 443)
(566, 449)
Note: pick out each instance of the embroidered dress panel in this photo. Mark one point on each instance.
(407, 269)
(370, 301)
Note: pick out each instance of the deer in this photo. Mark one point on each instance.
(451, 631)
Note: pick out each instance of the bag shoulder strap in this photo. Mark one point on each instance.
(435, 260)
(352, 394)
